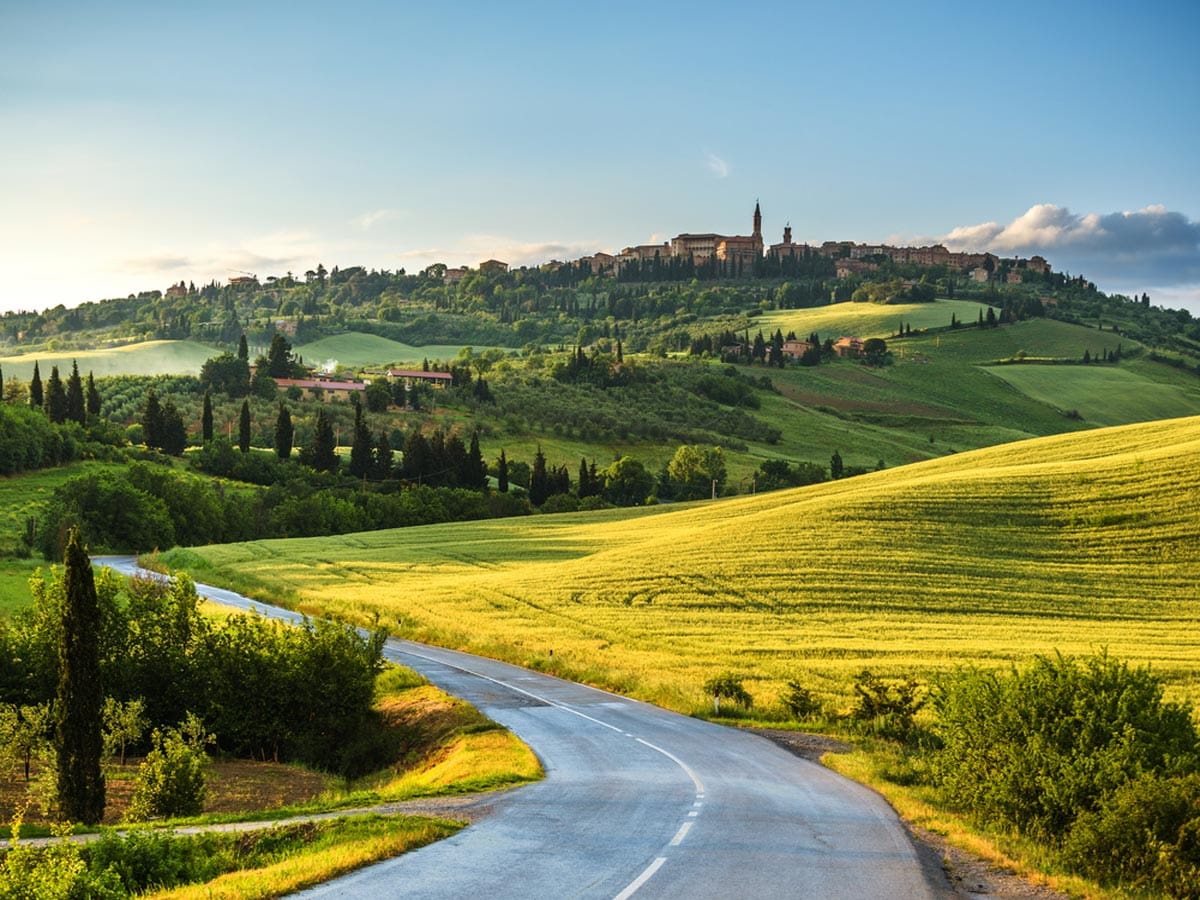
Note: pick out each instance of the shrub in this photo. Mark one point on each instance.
(728, 686)
(1037, 749)
(1145, 836)
(886, 708)
(800, 702)
(170, 781)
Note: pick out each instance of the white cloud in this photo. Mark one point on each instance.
(369, 220)
(716, 165)
(1152, 245)
(477, 247)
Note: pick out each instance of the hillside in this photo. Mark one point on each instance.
(1068, 543)
(144, 358)
(354, 349)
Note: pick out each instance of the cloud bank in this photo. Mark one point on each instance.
(1152, 246)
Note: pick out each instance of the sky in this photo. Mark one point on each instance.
(144, 143)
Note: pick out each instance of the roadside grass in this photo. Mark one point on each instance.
(866, 319)
(22, 496)
(146, 358)
(334, 849)
(14, 584)
(358, 349)
(1070, 543)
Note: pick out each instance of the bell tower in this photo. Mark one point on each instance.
(787, 233)
(757, 221)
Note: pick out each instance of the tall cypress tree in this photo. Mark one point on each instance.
(244, 427)
(93, 397)
(476, 467)
(324, 446)
(384, 458)
(80, 697)
(206, 420)
(361, 447)
(76, 411)
(174, 432)
(243, 350)
(284, 433)
(539, 479)
(152, 421)
(502, 473)
(56, 398)
(35, 387)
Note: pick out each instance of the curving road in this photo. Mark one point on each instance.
(638, 801)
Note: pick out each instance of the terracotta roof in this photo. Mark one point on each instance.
(417, 373)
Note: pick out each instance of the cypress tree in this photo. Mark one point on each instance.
(152, 421)
(835, 466)
(79, 700)
(360, 448)
(93, 397)
(539, 480)
(173, 438)
(585, 484)
(284, 433)
(206, 420)
(244, 427)
(243, 350)
(56, 398)
(324, 449)
(502, 473)
(476, 467)
(76, 410)
(35, 387)
(384, 458)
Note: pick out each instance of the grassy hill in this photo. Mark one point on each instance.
(1069, 543)
(146, 358)
(355, 349)
(868, 319)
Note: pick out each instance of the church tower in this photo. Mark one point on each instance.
(787, 233)
(757, 221)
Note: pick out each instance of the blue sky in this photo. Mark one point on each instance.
(144, 143)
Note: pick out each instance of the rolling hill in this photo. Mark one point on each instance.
(1068, 543)
(146, 358)
(356, 349)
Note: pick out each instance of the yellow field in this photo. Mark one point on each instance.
(1068, 543)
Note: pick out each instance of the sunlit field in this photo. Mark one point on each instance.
(868, 319)
(1102, 395)
(372, 350)
(1070, 543)
(146, 358)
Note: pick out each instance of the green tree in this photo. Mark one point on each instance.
(696, 472)
(502, 473)
(361, 447)
(76, 407)
(171, 780)
(124, 723)
(206, 420)
(243, 350)
(836, 468)
(173, 438)
(244, 427)
(79, 700)
(152, 420)
(226, 373)
(279, 357)
(56, 398)
(324, 453)
(93, 397)
(627, 482)
(379, 395)
(384, 459)
(284, 433)
(476, 468)
(36, 397)
(539, 481)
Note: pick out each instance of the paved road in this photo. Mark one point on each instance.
(639, 801)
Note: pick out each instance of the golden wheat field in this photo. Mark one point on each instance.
(1072, 544)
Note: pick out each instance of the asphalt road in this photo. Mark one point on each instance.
(639, 802)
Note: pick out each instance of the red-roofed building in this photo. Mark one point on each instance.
(325, 390)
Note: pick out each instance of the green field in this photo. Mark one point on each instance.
(868, 319)
(1070, 543)
(355, 350)
(147, 358)
(1102, 395)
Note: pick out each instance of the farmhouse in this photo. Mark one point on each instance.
(848, 347)
(324, 390)
(416, 376)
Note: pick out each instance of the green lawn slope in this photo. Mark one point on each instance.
(146, 358)
(355, 349)
(1069, 543)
